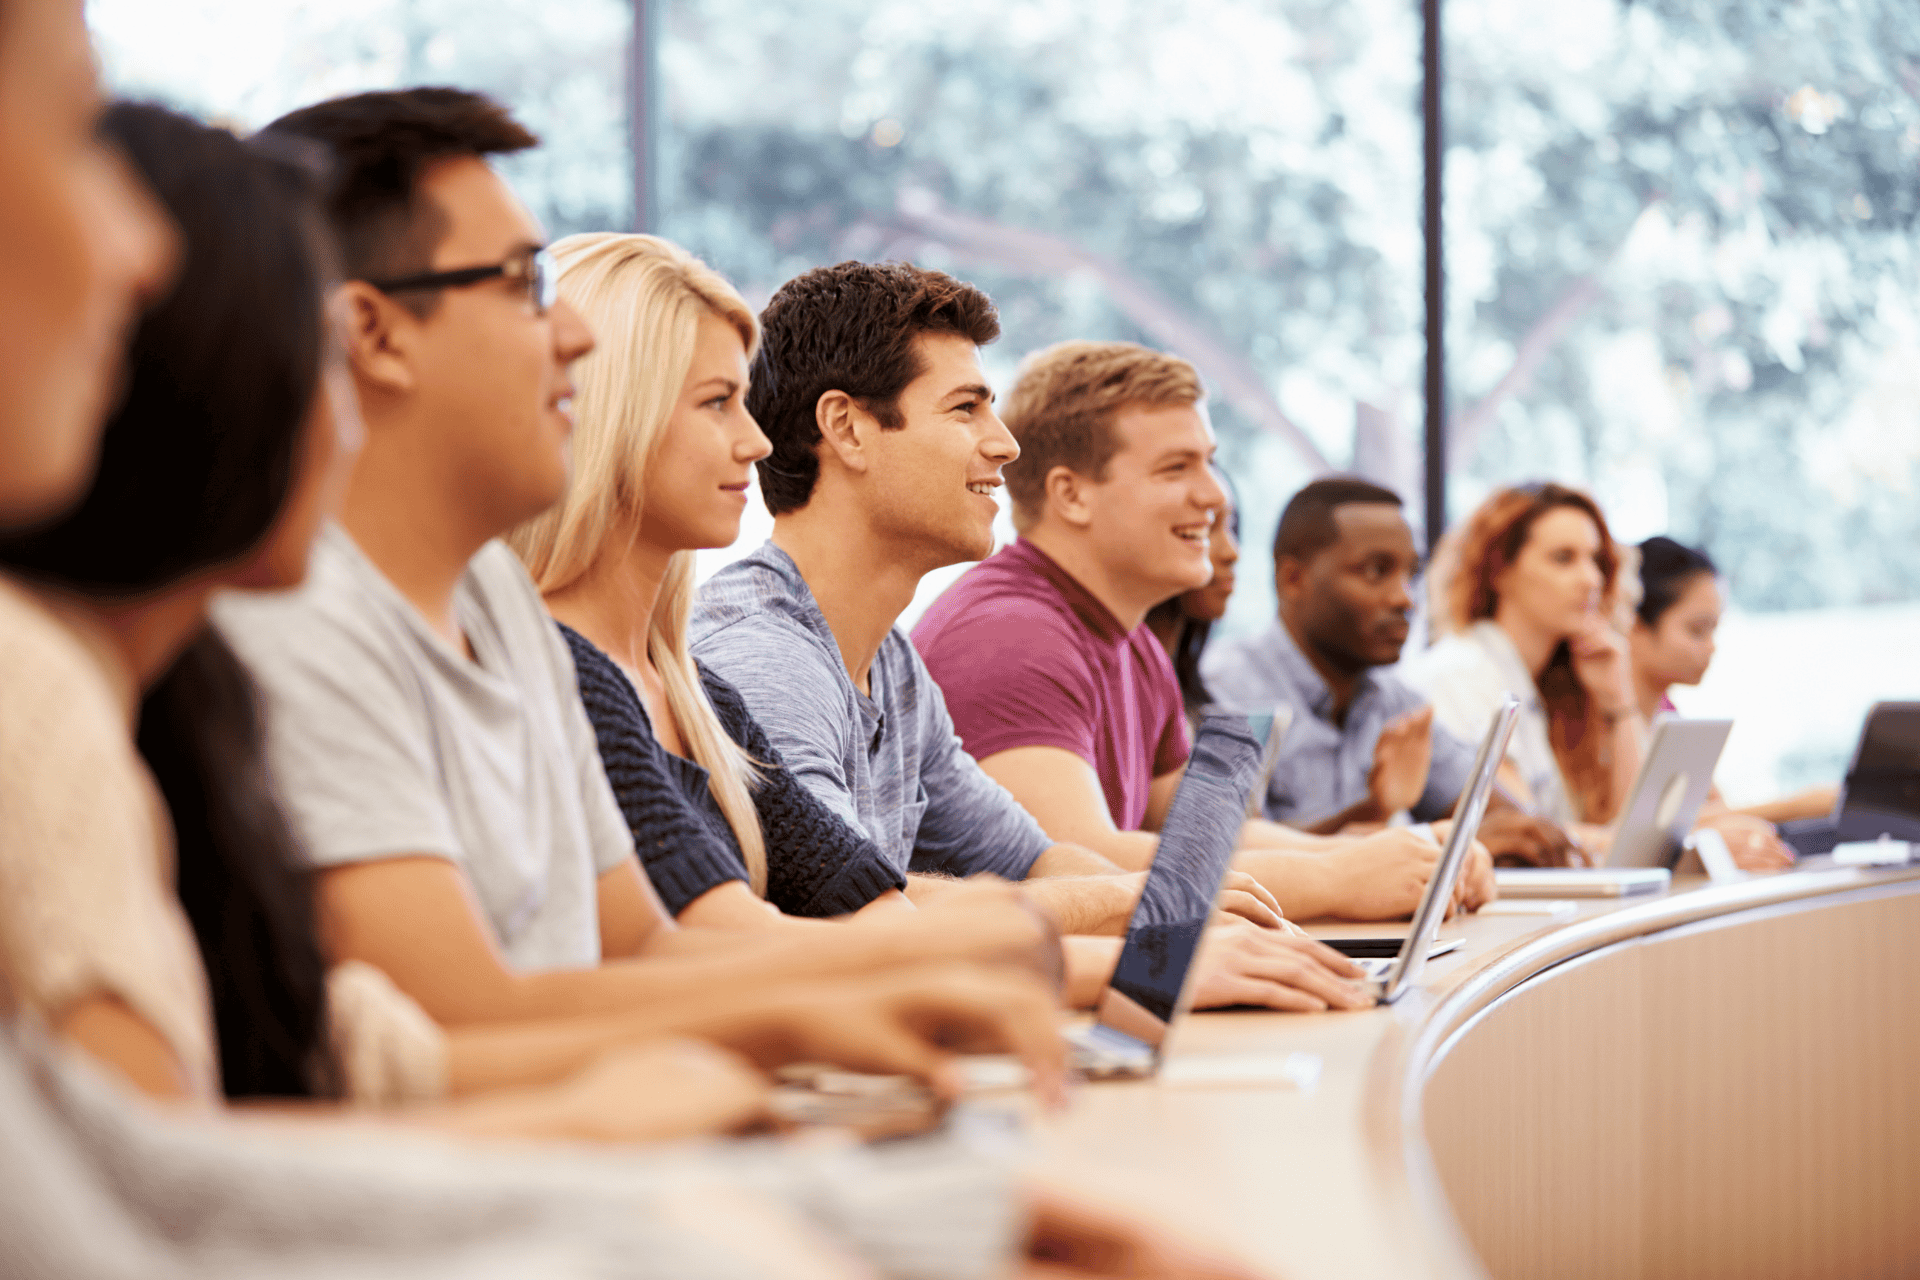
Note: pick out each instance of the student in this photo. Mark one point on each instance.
(1183, 623)
(1363, 746)
(886, 451)
(1672, 642)
(424, 729)
(1522, 597)
(665, 449)
(1057, 688)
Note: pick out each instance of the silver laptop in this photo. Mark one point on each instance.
(1150, 988)
(1393, 978)
(1676, 773)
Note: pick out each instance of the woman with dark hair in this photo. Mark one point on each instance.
(1183, 624)
(1672, 641)
(1523, 596)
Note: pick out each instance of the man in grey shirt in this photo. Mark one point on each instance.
(1362, 746)
(886, 453)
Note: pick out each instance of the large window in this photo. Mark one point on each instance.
(1681, 238)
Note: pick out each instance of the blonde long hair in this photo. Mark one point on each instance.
(644, 298)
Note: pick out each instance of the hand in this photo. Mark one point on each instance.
(1753, 842)
(1071, 1235)
(1474, 887)
(1601, 665)
(658, 1092)
(910, 1022)
(1244, 898)
(1383, 877)
(1401, 759)
(1517, 839)
(1275, 970)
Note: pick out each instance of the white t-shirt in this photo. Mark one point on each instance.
(384, 741)
(1465, 676)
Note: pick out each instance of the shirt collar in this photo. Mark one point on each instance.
(1306, 679)
(1098, 618)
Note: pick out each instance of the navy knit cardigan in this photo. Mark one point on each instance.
(817, 865)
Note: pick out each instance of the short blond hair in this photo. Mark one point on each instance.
(1062, 406)
(644, 298)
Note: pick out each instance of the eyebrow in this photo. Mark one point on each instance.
(730, 384)
(979, 389)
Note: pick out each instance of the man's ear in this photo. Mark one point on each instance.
(380, 337)
(1065, 494)
(844, 429)
(1289, 578)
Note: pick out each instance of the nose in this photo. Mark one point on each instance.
(145, 245)
(571, 336)
(1210, 493)
(752, 444)
(1402, 597)
(997, 443)
(1226, 551)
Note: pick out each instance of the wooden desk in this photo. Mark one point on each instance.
(1715, 1082)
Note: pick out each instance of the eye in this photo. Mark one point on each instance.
(718, 402)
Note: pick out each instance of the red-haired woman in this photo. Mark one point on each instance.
(1524, 600)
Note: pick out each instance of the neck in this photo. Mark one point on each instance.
(1127, 600)
(1535, 644)
(612, 603)
(1340, 682)
(136, 640)
(1649, 690)
(861, 582)
(1165, 626)
(419, 541)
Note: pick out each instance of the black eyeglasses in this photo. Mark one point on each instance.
(535, 269)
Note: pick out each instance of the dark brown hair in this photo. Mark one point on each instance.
(1063, 403)
(1489, 541)
(381, 144)
(849, 328)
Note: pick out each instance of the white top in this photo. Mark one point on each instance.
(384, 741)
(1465, 676)
(86, 848)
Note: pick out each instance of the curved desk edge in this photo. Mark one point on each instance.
(1400, 1068)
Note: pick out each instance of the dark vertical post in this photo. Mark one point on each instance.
(643, 112)
(1435, 138)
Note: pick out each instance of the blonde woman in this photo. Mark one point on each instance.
(663, 452)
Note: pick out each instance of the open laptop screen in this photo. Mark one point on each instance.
(1196, 845)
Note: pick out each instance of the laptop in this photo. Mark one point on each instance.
(1391, 978)
(1676, 774)
(1150, 987)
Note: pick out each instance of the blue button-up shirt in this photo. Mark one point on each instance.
(1323, 766)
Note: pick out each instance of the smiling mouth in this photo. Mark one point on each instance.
(1199, 535)
(984, 488)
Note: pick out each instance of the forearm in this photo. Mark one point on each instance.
(1090, 963)
(1258, 833)
(1072, 860)
(1625, 738)
(1306, 884)
(1122, 850)
(1087, 904)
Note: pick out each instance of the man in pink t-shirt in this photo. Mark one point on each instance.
(1052, 679)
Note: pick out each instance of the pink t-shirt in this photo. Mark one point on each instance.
(1026, 657)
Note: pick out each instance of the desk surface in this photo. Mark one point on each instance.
(1324, 1182)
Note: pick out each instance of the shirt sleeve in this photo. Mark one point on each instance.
(1447, 776)
(1012, 678)
(349, 743)
(971, 823)
(817, 865)
(792, 691)
(682, 857)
